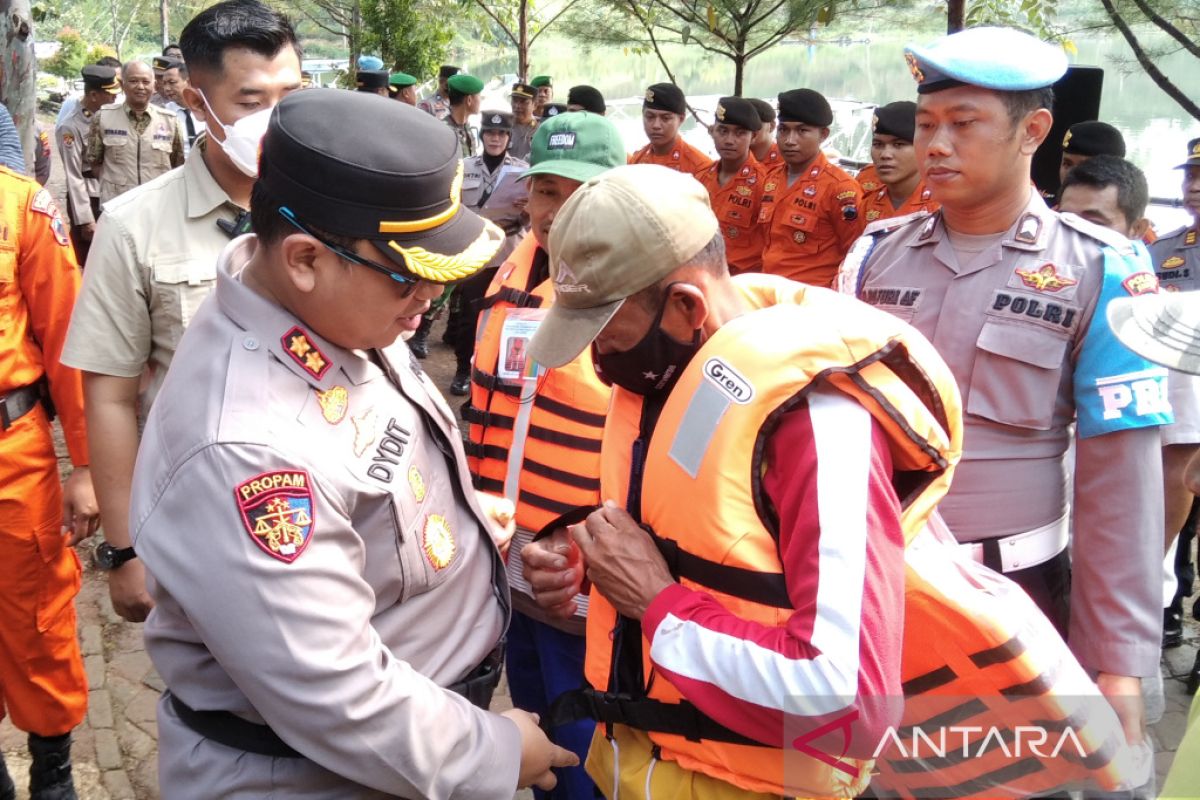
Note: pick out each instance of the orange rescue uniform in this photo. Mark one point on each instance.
(683, 157)
(811, 224)
(868, 179)
(737, 205)
(42, 682)
(877, 204)
(773, 158)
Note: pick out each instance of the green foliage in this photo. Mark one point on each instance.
(411, 36)
(71, 55)
(1039, 17)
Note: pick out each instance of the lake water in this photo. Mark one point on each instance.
(856, 77)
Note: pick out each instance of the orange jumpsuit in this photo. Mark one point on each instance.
(773, 159)
(868, 179)
(683, 157)
(811, 224)
(42, 682)
(877, 204)
(737, 205)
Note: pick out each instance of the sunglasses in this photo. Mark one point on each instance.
(409, 282)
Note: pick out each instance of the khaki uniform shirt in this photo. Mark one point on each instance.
(127, 150)
(468, 137)
(319, 563)
(152, 262)
(1023, 327)
(521, 143)
(478, 184)
(72, 136)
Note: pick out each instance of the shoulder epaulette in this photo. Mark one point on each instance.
(892, 224)
(1116, 241)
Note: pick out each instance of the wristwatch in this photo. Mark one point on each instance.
(108, 557)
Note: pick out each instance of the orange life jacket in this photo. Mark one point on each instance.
(703, 451)
(534, 441)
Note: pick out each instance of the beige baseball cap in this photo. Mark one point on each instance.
(620, 232)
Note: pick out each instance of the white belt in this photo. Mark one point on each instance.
(1024, 550)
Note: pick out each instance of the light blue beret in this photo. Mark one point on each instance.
(370, 62)
(1003, 59)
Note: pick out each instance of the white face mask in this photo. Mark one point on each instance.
(242, 139)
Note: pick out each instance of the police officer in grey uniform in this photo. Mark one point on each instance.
(329, 595)
(1013, 296)
(100, 87)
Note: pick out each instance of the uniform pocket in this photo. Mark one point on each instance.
(8, 290)
(182, 282)
(61, 576)
(116, 140)
(1016, 376)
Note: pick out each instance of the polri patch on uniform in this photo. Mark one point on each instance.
(277, 510)
(298, 345)
(1141, 283)
(334, 404)
(43, 203)
(1045, 278)
(437, 542)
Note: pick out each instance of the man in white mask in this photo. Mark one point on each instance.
(153, 258)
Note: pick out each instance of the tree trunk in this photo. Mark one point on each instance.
(956, 11)
(523, 44)
(739, 73)
(164, 21)
(18, 81)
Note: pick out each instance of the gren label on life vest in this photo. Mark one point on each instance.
(731, 382)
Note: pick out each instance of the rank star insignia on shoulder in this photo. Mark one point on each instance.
(302, 349)
(277, 511)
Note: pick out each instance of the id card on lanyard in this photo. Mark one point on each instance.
(519, 326)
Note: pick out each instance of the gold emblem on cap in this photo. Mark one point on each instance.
(334, 403)
(1196, 149)
(442, 268)
(438, 541)
(419, 225)
(720, 112)
(649, 95)
(914, 67)
(1067, 139)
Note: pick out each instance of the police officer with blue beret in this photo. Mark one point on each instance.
(1013, 295)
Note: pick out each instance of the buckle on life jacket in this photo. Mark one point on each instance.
(642, 713)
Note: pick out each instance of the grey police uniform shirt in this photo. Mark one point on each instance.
(71, 136)
(478, 184)
(1176, 259)
(1023, 328)
(521, 142)
(318, 563)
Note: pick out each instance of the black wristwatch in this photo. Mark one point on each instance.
(108, 557)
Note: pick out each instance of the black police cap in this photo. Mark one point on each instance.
(100, 77)
(164, 63)
(405, 200)
(766, 111)
(897, 119)
(588, 98)
(665, 97)
(553, 110)
(1094, 138)
(739, 112)
(447, 70)
(805, 106)
(495, 121)
(371, 80)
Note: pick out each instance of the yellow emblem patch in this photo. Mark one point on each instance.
(745, 191)
(720, 112)
(416, 483)
(1172, 262)
(914, 67)
(334, 404)
(873, 215)
(438, 542)
(1045, 279)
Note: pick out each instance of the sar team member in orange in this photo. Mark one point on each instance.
(42, 684)
(811, 208)
(763, 146)
(902, 191)
(735, 183)
(662, 114)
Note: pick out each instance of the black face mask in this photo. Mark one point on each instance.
(653, 365)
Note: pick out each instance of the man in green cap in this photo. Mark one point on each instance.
(544, 93)
(464, 101)
(535, 433)
(403, 87)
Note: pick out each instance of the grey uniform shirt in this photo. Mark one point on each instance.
(316, 564)
(522, 140)
(71, 137)
(1023, 329)
(478, 185)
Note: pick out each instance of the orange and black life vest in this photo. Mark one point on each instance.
(533, 439)
(706, 447)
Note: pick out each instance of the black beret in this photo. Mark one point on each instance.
(1094, 138)
(739, 112)
(588, 98)
(806, 106)
(766, 111)
(496, 121)
(405, 200)
(665, 97)
(371, 80)
(447, 70)
(99, 77)
(554, 109)
(897, 119)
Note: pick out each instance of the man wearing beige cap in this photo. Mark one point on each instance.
(761, 486)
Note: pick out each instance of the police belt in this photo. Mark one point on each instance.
(19, 402)
(1022, 550)
(232, 731)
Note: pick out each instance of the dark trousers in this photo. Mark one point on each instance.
(1049, 586)
(469, 292)
(83, 245)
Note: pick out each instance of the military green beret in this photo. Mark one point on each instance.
(540, 80)
(401, 79)
(465, 84)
